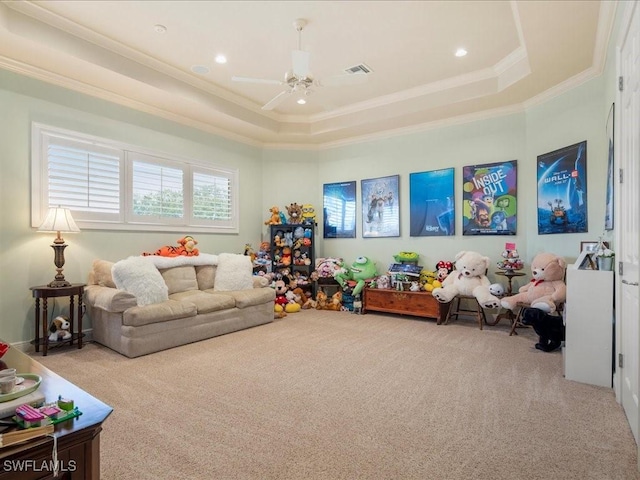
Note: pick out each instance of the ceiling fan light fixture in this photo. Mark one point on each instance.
(301, 101)
(200, 69)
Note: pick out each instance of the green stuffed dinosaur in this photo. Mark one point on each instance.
(361, 269)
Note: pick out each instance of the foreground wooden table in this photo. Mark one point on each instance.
(78, 439)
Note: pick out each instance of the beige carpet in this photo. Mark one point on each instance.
(332, 395)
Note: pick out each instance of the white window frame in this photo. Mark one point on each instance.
(125, 220)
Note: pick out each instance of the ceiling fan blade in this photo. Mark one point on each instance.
(300, 60)
(266, 81)
(344, 79)
(277, 100)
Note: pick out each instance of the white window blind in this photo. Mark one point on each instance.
(157, 191)
(83, 177)
(109, 185)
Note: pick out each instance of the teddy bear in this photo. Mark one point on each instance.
(468, 278)
(546, 288)
(60, 329)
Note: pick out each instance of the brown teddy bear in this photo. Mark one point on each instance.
(546, 289)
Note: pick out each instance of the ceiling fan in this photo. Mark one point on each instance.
(299, 80)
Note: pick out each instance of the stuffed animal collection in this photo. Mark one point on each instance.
(186, 247)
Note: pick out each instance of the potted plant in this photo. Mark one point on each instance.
(604, 257)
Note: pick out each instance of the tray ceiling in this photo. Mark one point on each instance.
(142, 54)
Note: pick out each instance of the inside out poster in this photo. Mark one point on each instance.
(562, 190)
(489, 199)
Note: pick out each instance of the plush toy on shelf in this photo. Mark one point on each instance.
(468, 278)
(295, 213)
(274, 219)
(60, 329)
(308, 214)
(546, 289)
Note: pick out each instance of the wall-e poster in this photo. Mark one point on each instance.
(562, 190)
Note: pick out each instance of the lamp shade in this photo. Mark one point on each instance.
(59, 220)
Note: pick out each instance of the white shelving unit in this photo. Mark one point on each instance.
(588, 351)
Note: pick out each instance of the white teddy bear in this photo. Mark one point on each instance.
(468, 278)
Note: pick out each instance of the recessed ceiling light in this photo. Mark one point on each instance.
(221, 59)
(200, 69)
(301, 101)
(160, 28)
(461, 52)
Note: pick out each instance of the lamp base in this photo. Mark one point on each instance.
(59, 284)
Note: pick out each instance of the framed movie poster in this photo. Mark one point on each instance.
(339, 209)
(431, 203)
(489, 197)
(608, 212)
(562, 190)
(380, 207)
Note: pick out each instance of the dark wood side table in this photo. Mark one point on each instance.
(45, 292)
(78, 439)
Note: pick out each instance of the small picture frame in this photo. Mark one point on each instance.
(591, 247)
(586, 260)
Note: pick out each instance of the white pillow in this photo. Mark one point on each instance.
(234, 272)
(140, 277)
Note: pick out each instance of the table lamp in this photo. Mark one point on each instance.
(59, 220)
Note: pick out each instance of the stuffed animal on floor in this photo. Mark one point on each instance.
(546, 289)
(336, 302)
(186, 247)
(468, 278)
(550, 328)
(60, 329)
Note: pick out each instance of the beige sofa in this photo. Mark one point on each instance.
(142, 305)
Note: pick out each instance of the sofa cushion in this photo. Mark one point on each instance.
(205, 275)
(139, 276)
(159, 312)
(180, 279)
(206, 302)
(234, 272)
(254, 296)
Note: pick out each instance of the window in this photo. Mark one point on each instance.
(108, 185)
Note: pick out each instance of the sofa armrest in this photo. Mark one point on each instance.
(260, 282)
(109, 299)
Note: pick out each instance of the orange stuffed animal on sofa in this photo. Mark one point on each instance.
(187, 247)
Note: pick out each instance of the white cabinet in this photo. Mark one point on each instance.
(588, 351)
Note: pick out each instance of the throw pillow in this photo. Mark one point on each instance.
(234, 272)
(140, 277)
(102, 274)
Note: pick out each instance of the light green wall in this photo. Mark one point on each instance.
(25, 256)
(279, 177)
(565, 120)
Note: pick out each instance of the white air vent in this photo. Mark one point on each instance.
(361, 68)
